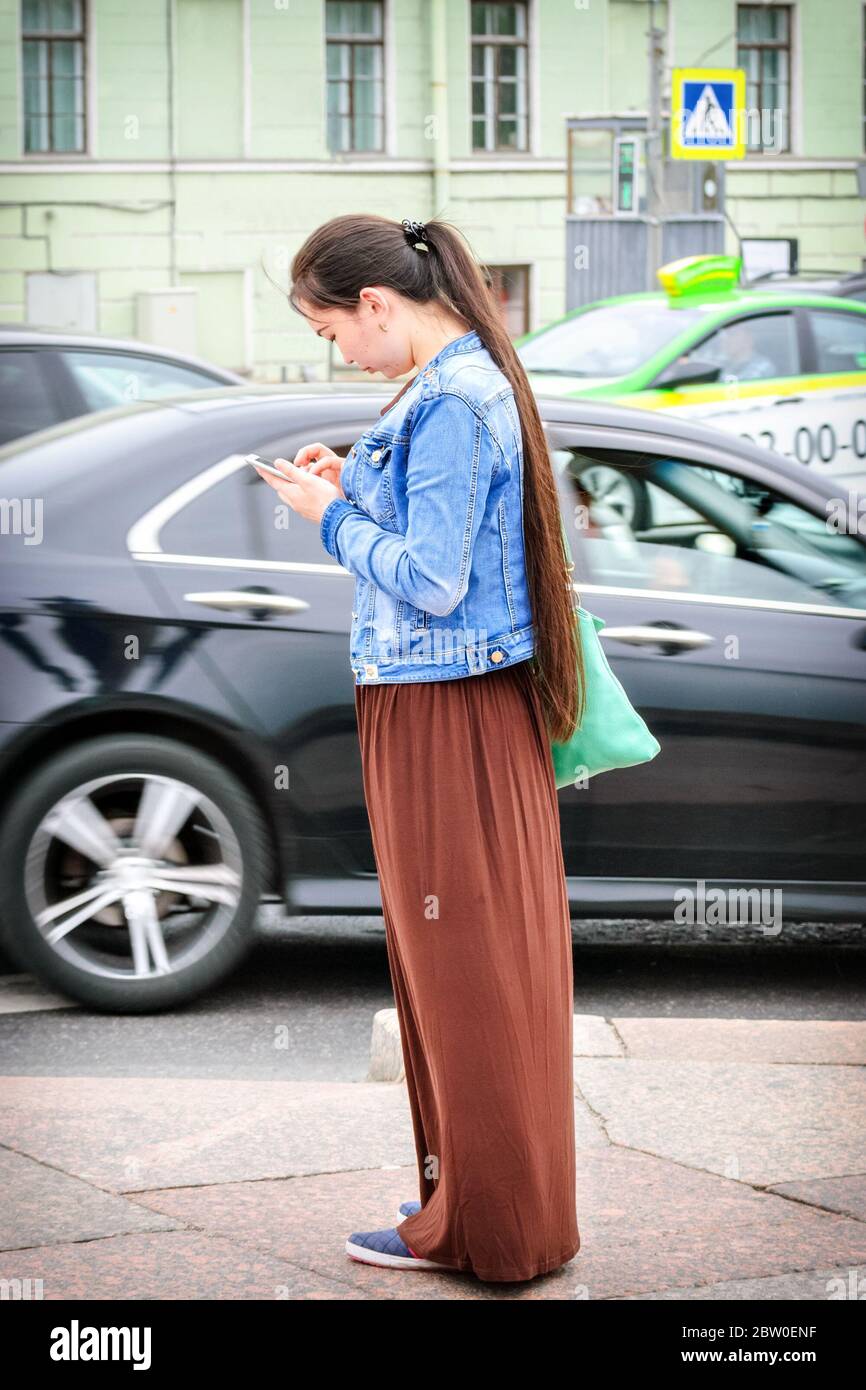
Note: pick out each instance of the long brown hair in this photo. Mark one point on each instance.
(329, 271)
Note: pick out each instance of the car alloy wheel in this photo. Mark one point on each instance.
(132, 868)
(149, 858)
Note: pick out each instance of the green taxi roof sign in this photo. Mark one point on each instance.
(693, 277)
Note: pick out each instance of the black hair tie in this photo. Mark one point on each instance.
(416, 235)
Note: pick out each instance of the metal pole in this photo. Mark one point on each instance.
(654, 150)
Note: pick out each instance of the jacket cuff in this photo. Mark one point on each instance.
(333, 514)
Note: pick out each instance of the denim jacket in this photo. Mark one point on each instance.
(432, 526)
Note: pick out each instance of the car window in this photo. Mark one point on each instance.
(26, 401)
(840, 340)
(243, 518)
(611, 340)
(304, 538)
(751, 349)
(107, 379)
(704, 531)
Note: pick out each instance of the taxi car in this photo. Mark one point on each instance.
(783, 370)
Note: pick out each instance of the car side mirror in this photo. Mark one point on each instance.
(688, 373)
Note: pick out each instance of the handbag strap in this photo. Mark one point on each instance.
(567, 548)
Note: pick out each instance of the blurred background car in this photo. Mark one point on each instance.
(47, 376)
(178, 736)
(847, 285)
(782, 368)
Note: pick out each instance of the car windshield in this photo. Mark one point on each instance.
(612, 340)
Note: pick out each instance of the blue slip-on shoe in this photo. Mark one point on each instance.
(386, 1248)
(408, 1209)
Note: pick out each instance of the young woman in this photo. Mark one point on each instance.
(466, 665)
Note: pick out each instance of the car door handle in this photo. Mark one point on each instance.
(681, 637)
(789, 400)
(232, 599)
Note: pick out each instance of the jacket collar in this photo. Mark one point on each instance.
(467, 342)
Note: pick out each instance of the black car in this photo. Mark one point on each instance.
(47, 376)
(177, 722)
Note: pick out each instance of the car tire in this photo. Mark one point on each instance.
(100, 822)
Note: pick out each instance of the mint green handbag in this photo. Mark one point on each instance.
(611, 733)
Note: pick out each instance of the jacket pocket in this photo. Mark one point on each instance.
(373, 479)
(410, 624)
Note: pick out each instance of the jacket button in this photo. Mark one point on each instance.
(376, 455)
(496, 656)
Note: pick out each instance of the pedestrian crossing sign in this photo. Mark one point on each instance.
(708, 113)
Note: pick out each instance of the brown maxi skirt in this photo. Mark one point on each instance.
(462, 804)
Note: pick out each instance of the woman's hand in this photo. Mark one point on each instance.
(323, 462)
(308, 488)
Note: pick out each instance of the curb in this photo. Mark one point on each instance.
(593, 1037)
(797, 1042)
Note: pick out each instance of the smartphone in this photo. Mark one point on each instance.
(268, 465)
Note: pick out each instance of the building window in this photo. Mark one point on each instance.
(764, 53)
(510, 287)
(499, 77)
(52, 36)
(355, 66)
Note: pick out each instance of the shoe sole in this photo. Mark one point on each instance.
(379, 1257)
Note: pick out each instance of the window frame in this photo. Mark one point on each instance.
(51, 37)
(760, 44)
(357, 41)
(497, 41)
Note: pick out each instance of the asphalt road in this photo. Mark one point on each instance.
(301, 1006)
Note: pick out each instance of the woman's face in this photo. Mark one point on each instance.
(359, 337)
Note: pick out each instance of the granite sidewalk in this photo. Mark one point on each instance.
(716, 1160)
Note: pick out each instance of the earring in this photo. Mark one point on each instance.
(384, 327)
